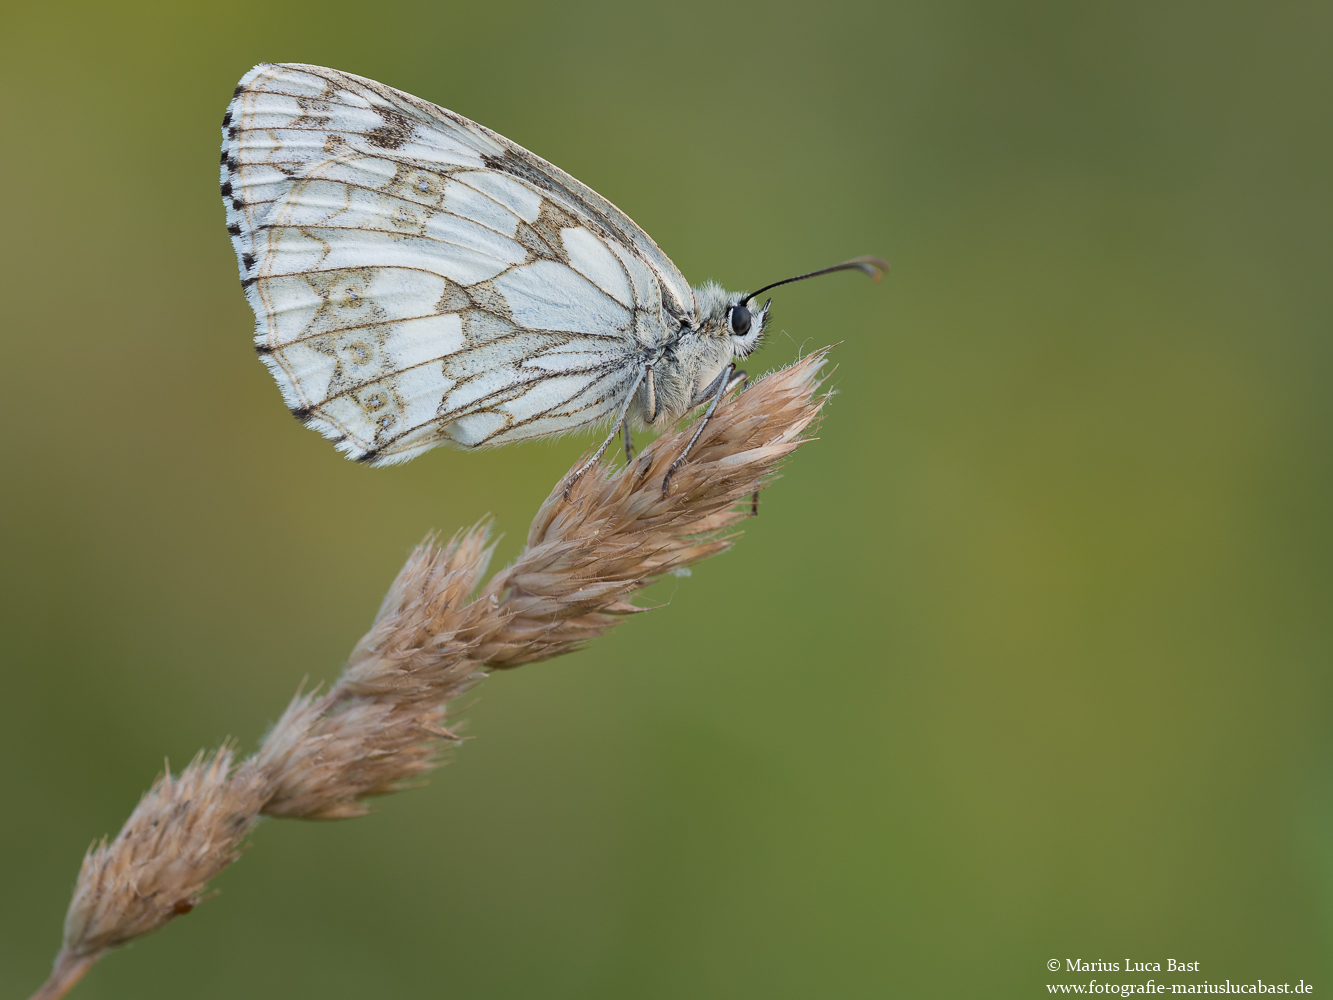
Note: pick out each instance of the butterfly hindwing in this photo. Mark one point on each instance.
(419, 280)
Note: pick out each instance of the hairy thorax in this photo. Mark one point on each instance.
(688, 362)
(679, 376)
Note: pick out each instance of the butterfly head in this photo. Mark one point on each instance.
(726, 315)
(731, 317)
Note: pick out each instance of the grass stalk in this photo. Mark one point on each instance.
(381, 726)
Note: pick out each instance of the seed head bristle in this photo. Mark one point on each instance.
(380, 727)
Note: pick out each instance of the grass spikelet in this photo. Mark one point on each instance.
(381, 726)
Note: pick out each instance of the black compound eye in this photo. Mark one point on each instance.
(740, 321)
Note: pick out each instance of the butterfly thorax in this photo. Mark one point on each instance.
(694, 356)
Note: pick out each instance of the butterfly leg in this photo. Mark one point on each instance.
(620, 420)
(628, 439)
(739, 379)
(723, 382)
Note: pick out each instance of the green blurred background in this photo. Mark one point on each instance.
(1027, 657)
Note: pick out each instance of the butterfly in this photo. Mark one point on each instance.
(420, 280)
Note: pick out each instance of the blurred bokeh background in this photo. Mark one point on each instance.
(1027, 658)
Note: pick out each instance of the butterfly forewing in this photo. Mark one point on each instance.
(420, 280)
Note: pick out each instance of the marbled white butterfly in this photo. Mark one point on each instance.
(420, 280)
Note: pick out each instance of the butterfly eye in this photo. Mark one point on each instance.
(740, 321)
